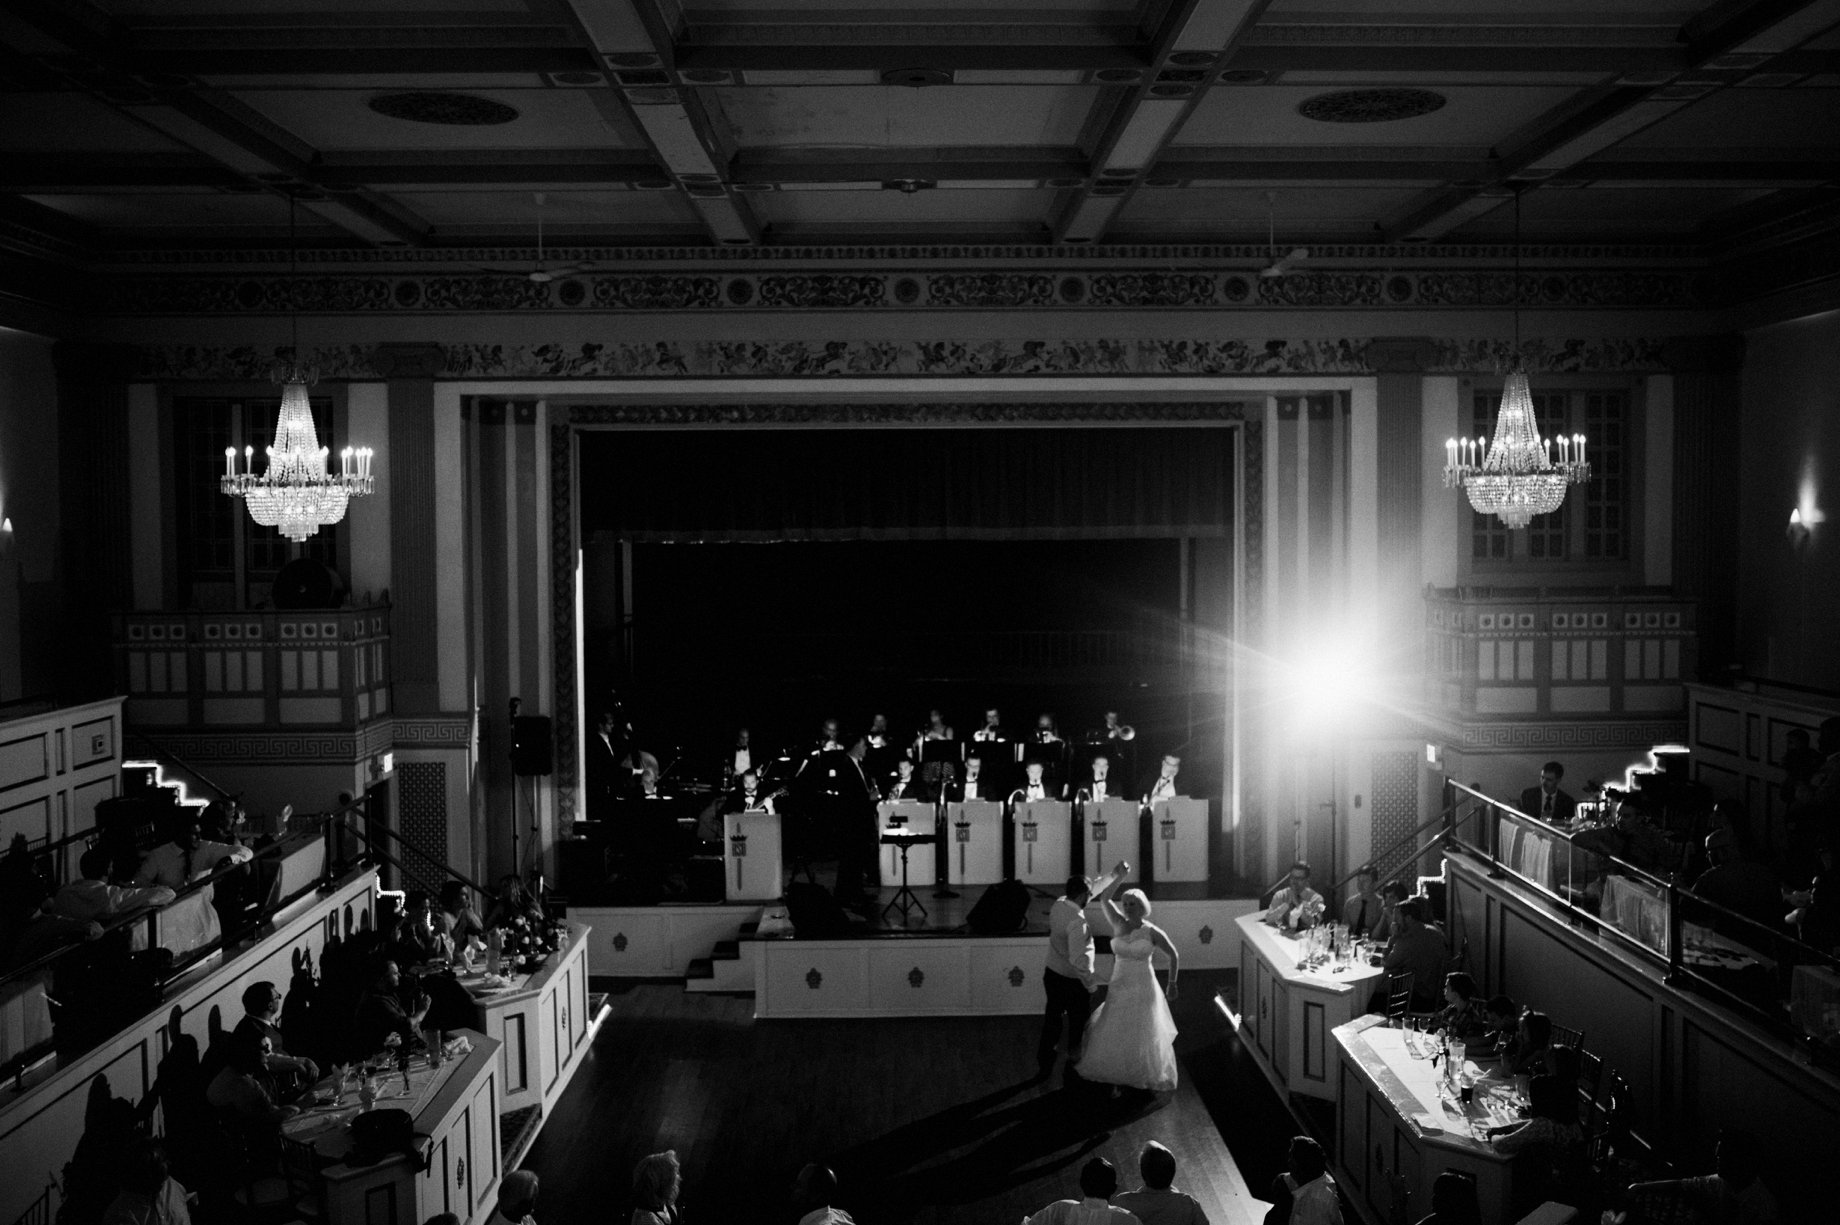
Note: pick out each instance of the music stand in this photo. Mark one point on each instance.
(905, 899)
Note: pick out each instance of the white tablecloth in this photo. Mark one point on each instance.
(1637, 909)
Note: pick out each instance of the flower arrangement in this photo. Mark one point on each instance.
(526, 940)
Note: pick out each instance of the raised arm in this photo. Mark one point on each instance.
(1108, 896)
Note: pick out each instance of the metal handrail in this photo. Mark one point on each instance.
(462, 877)
(1410, 836)
(154, 750)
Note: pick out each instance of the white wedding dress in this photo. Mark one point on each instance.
(1130, 1039)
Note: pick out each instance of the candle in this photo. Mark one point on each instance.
(230, 462)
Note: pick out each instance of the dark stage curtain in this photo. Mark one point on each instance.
(908, 484)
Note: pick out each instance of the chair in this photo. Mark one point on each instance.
(1590, 1077)
(1398, 997)
(1562, 1036)
(300, 1169)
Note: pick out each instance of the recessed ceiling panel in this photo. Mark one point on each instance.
(75, 124)
(901, 11)
(1745, 119)
(546, 119)
(564, 213)
(1471, 115)
(176, 210)
(1490, 12)
(905, 118)
(940, 208)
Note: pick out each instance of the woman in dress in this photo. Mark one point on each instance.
(657, 1180)
(1130, 1039)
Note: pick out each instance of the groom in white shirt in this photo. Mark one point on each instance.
(1069, 976)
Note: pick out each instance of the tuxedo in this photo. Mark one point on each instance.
(913, 789)
(988, 788)
(1049, 790)
(738, 801)
(1563, 805)
(1154, 782)
(607, 778)
(990, 733)
(1096, 792)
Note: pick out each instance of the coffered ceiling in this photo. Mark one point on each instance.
(130, 124)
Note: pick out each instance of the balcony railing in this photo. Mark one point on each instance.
(1530, 653)
(328, 668)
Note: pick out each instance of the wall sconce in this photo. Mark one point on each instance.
(6, 536)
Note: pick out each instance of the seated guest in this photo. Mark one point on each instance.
(1462, 1014)
(1035, 785)
(1418, 949)
(657, 1179)
(1453, 1200)
(149, 1193)
(1550, 1135)
(812, 1193)
(513, 902)
(1564, 1063)
(1158, 1202)
(381, 1013)
(1738, 879)
(463, 922)
(1306, 1191)
(976, 785)
(1526, 1055)
(289, 1074)
(1391, 894)
(187, 857)
(1098, 1183)
(242, 1087)
(1165, 785)
(1547, 801)
(1733, 1194)
(517, 1199)
(1816, 913)
(1501, 1021)
(93, 897)
(1364, 907)
(747, 796)
(1296, 906)
(419, 939)
(905, 785)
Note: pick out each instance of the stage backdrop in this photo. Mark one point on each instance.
(906, 484)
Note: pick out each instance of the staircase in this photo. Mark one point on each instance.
(729, 966)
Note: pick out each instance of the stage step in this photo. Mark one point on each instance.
(729, 967)
(517, 1131)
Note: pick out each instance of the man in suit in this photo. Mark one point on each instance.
(1165, 785)
(882, 753)
(606, 777)
(978, 783)
(993, 727)
(747, 796)
(1546, 801)
(905, 785)
(1099, 785)
(1036, 785)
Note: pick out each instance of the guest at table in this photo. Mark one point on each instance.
(149, 1193)
(463, 922)
(1418, 949)
(1526, 1054)
(1733, 1194)
(517, 1199)
(92, 896)
(1098, 1183)
(242, 1088)
(1739, 880)
(1387, 925)
(1453, 1201)
(187, 856)
(657, 1179)
(1306, 1190)
(1157, 1202)
(812, 1193)
(1296, 905)
(513, 902)
(1547, 801)
(418, 940)
(1462, 1015)
(1501, 1021)
(1364, 907)
(290, 1074)
(1550, 1136)
(382, 1013)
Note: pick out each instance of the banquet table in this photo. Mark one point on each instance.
(1289, 1011)
(1399, 1126)
(454, 1110)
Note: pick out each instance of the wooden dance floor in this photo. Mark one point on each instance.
(927, 1121)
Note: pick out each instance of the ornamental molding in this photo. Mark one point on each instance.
(423, 292)
(1510, 737)
(1226, 412)
(948, 357)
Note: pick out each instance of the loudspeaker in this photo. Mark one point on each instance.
(530, 744)
(1002, 910)
(814, 912)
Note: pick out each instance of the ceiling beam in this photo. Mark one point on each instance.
(680, 123)
(1134, 128)
(1748, 30)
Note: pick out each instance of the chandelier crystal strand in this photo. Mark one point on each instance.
(296, 494)
(1519, 474)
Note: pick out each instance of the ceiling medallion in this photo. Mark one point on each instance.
(1370, 105)
(455, 110)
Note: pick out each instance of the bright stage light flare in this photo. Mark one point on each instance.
(1328, 685)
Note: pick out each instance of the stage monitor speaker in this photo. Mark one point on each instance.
(530, 744)
(1002, 910)
(814, 912)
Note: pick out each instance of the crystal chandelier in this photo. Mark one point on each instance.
(296, 493)
(1518, 474)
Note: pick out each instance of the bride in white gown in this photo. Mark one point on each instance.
(1130, 1039)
